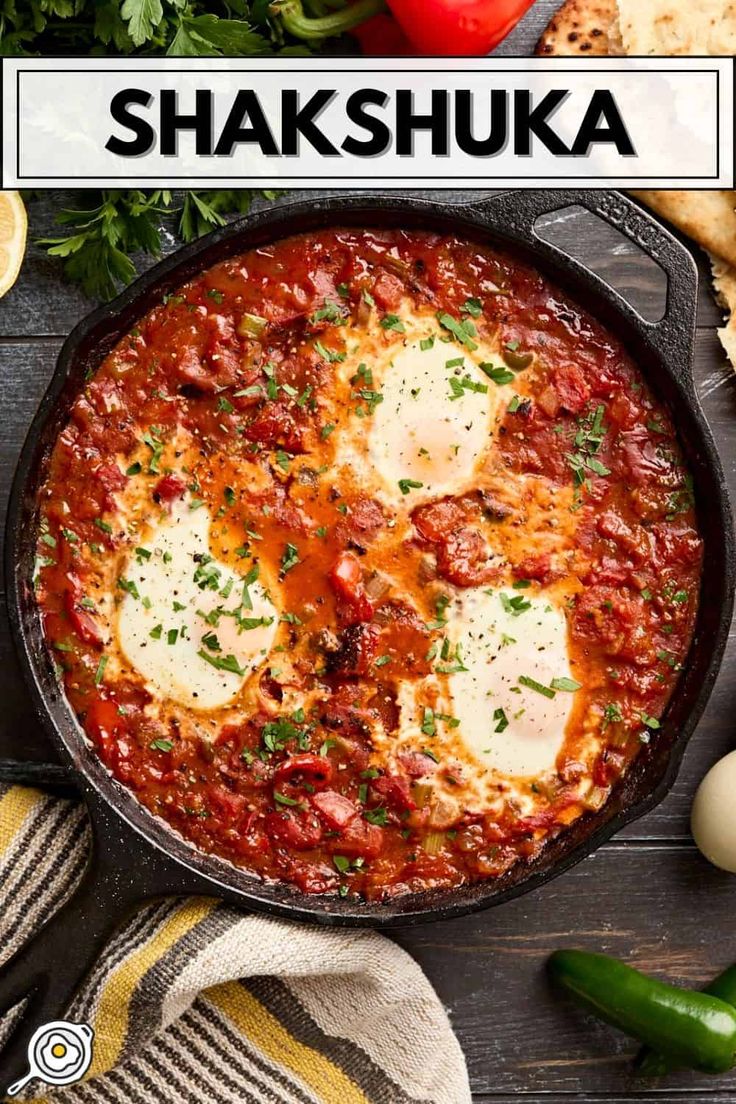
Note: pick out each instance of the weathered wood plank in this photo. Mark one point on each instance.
(662, 908)
(25, 370)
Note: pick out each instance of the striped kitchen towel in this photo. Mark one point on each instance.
(193, 1001)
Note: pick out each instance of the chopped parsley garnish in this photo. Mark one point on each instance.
(225, 405)
(515, 605)
(427, 343)
(330, 312)
(473, 307)
(103, 525)
(129, 587)
(532, 684)
(440, 606)
(378, 817)
(564, 683)
(172, 636)
(283, 460)
(382, 661)
(464, 331)
(161, 745)
(290, 558)
(207, 574)
(330, 355)
(156, 447)
(100, 673)
(406, 485)
(497, 372)
(458, 387)
(428, 723)
(134, 469)
(327, 430)
(588, 440)
(393, 322)
(611, 715)
(222, 663)
(282, 799)
(650, 722)
(502, 721)
(155, 633)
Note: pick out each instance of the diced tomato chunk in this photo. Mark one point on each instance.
(301, 831)
(316, 770)
(346, 579)
(103, 720)
(360, 840)
(169, 487)
(336, 809)
(395, 788)
(572, 388)
(83, 624)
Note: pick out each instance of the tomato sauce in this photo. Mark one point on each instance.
(240, 358)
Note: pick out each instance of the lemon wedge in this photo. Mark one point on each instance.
(13, 224)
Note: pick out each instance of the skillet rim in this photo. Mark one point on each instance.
(110, 803)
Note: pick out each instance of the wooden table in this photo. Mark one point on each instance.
(647, 895)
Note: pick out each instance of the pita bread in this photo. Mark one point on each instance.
(582, 27)
(724, 282)
(668, 28)
(708, 217)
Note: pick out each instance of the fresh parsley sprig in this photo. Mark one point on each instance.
(106, 230)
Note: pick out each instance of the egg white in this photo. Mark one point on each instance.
(434, 418)
(173, 601)
(507, 725)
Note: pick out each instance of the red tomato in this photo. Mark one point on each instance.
(335, 809)
(346, 578)
(169, 487)
(468, 28)
(314, 769)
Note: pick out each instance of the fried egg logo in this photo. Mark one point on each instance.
(59, 1053)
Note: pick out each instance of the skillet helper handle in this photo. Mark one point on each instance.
(674, 334)
(48, 969)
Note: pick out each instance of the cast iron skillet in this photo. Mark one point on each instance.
(136, 856)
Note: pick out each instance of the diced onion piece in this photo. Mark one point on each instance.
(434, 842)
(595, 798)
(251, 325)
(376, 585)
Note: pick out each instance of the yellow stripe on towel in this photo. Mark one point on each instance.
(329, 1083)
(15, 806)
(111, 1020)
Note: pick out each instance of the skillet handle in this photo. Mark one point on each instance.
(673, 336)
(47, 971)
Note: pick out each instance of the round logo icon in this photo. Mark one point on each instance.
(59, 1053)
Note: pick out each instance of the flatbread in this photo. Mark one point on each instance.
(724, 282)
(664, 28)
(708, 217)
(582, 27)
(668, 28)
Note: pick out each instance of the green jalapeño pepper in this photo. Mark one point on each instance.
(651, 1064)
(689, 1028)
